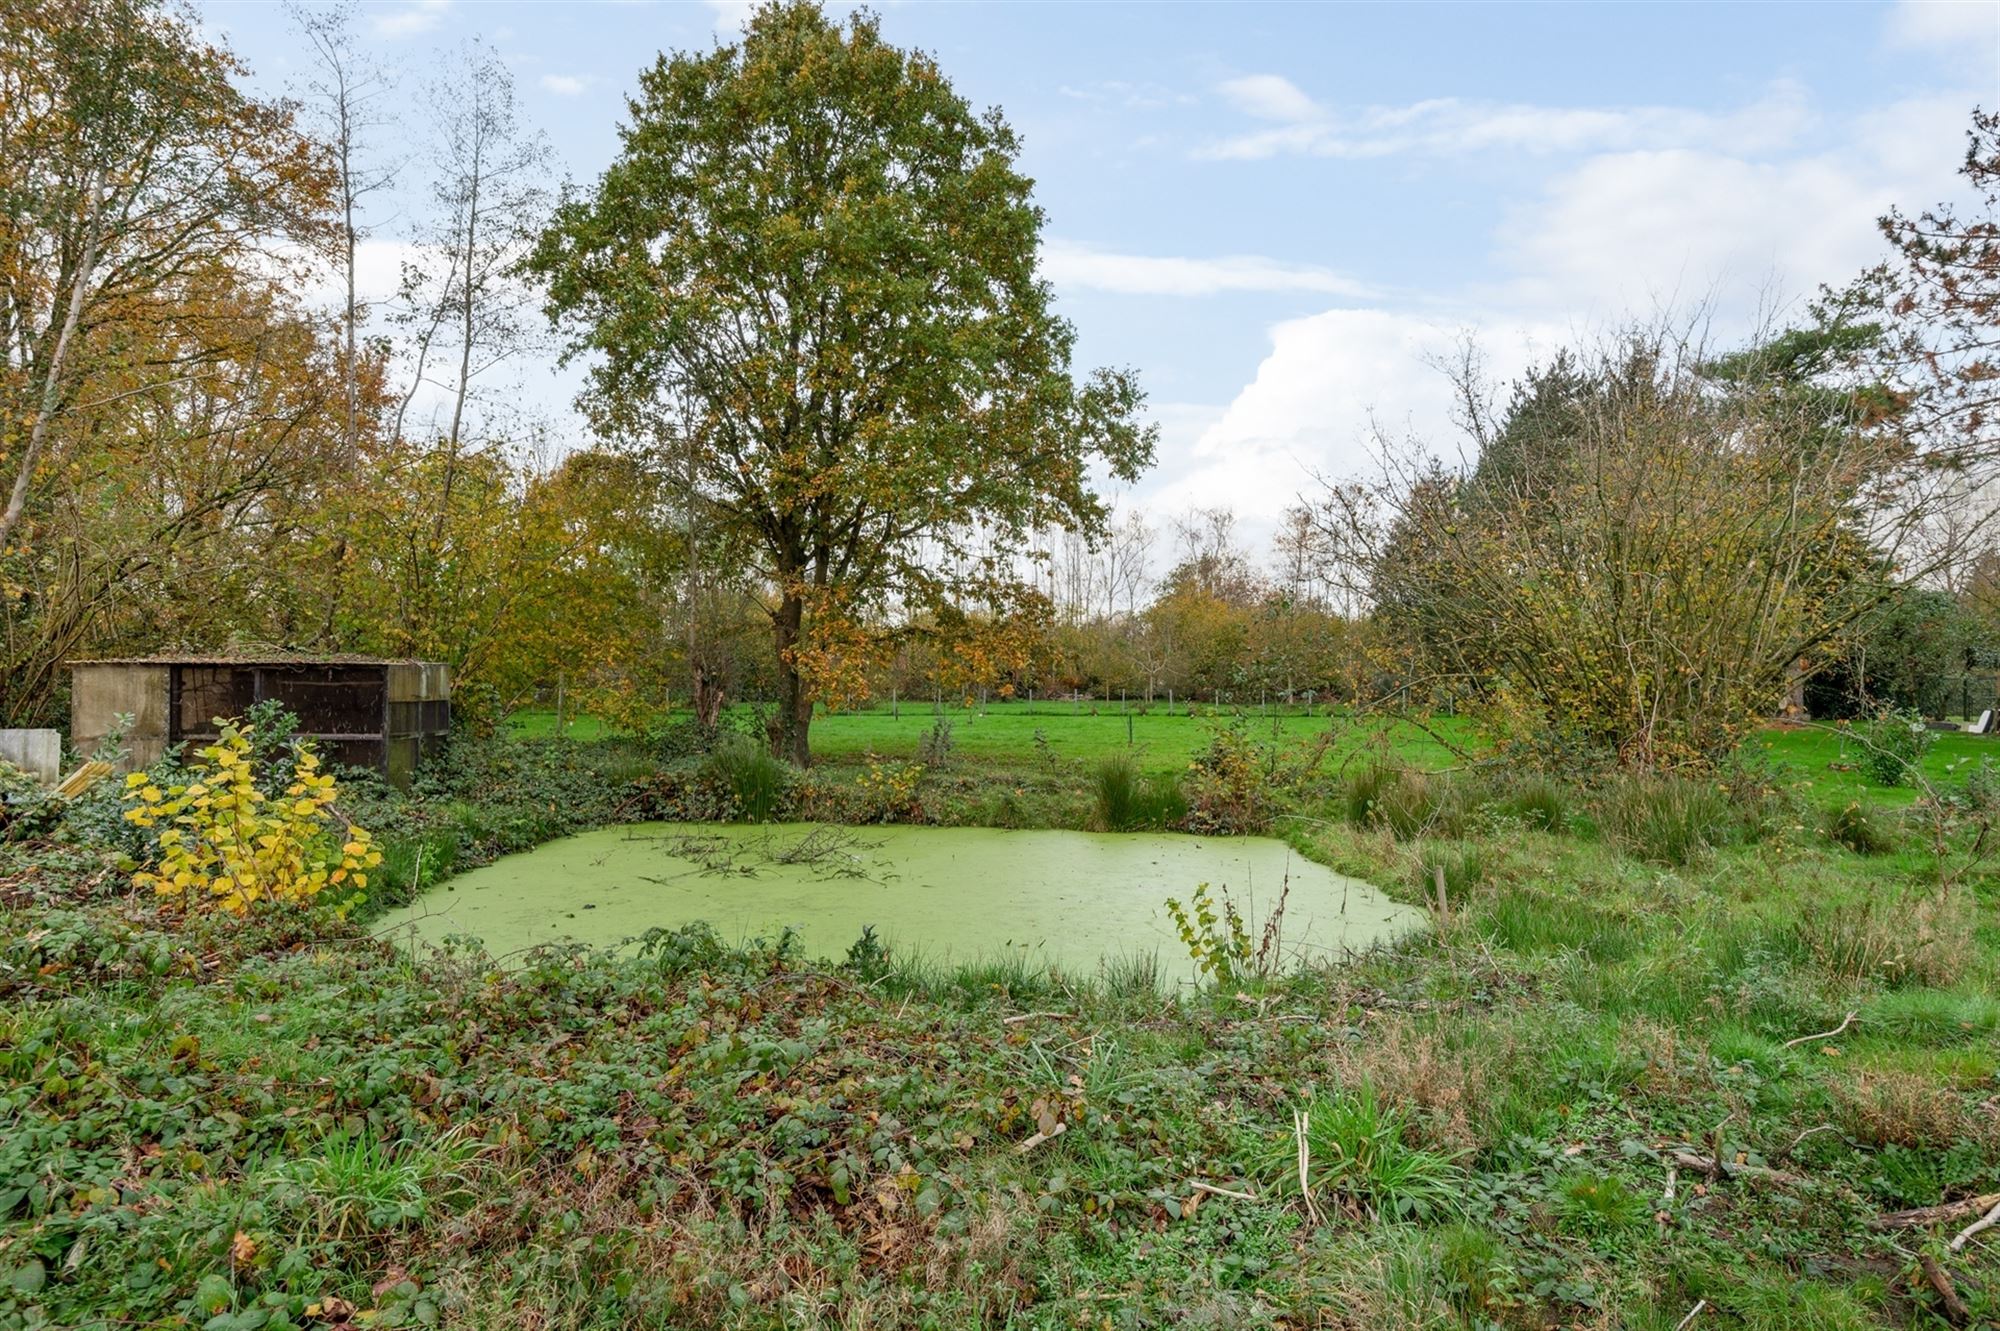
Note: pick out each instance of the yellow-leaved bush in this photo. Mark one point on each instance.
(225, 844)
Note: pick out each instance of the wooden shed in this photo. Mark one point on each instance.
(361, 711)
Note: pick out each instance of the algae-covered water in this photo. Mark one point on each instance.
(949, 894)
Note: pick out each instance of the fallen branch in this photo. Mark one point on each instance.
(1711, 1166)
(1040, 1137)
(1845, 1022)
(1935, 1215)
(1693, 1312)
(1987, 1221)
(1029, 1016)
(1300, 1122)
(1199, 1186)
(1954, 1307)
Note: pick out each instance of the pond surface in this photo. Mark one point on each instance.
(946, 894)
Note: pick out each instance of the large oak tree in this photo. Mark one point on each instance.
(812, 271)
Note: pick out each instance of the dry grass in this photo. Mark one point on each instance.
(1892, 940)
(1886, 1106)
(1447, 1089)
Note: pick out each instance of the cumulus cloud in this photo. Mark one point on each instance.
(1328, 385)
(422, 16)
(1633, 230)
(1075, 266)
(1617, 234)
(1449, 126)
(565, 85)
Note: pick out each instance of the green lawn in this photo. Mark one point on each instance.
(1157, 737)
(1823, 759)
(539, 723)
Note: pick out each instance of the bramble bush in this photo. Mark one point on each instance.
(224, 844)
(1227, 793)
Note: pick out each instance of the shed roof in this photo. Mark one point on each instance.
(251, 658)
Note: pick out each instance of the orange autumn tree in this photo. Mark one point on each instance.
(511, 576)
(811, 272)
(159, 393)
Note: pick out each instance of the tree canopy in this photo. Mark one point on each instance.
(812, 269)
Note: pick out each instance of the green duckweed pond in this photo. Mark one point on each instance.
(1068, 900)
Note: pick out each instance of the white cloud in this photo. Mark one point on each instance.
(1269, 97)
(1073, 266)
(565, 85)
(1319, 396)
(1952, 24)
(421, 16)
(1620, 234)
(1634, 230)
(1447, 126)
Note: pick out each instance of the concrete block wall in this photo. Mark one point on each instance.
(36, 752)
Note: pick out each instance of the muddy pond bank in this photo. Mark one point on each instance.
(947, 894)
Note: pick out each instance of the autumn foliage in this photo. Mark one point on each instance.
(226, 845)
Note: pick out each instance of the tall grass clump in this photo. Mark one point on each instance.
(1860, 829)
(1408, 803)
(1668, 820)
(1129, 802)
(1539, 801)
(1351, 1152)
(1462, 864)
(754, 779)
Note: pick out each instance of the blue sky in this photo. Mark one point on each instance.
(1281, 215)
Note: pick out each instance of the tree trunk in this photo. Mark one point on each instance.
(708, 697)
(794, 719)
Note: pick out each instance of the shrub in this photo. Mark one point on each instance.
(1218, 941)
(1226, 791)
(225, 844)
(755, 780)
(1893, 744)
(934, 750)
(1668, 820)
(1979, 791)
(888, 793)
